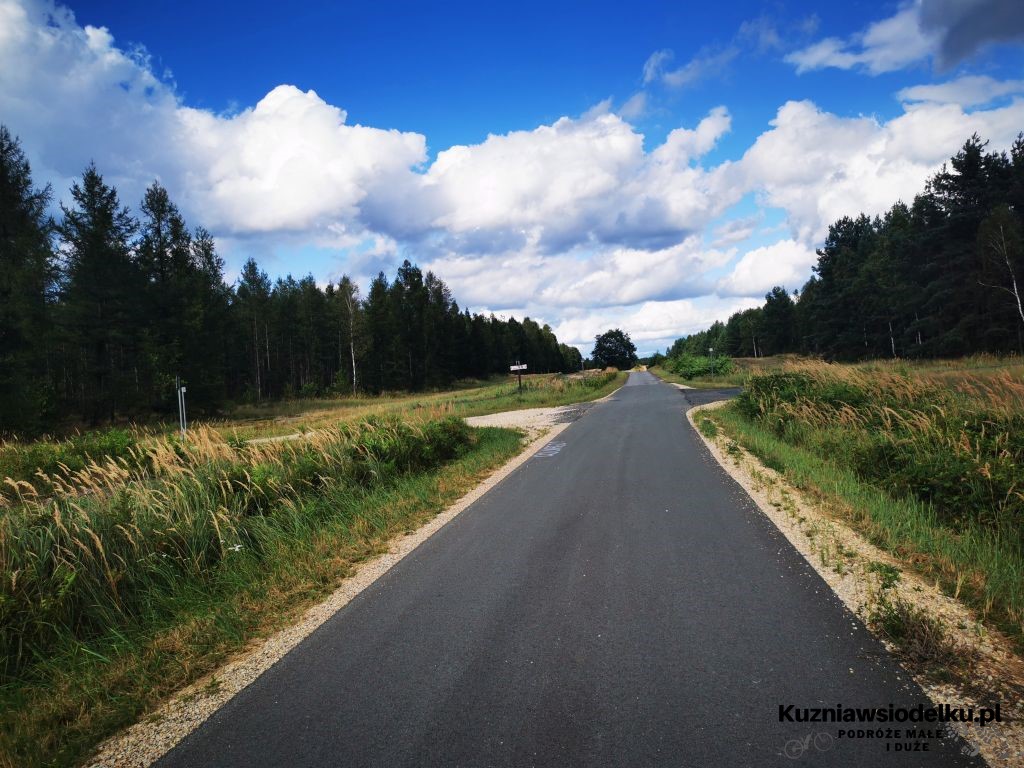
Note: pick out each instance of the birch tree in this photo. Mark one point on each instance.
(1000, 247)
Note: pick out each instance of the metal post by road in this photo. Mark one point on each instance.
(182, 419)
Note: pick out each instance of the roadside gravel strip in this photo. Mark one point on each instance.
(144, 743)
(842, 559)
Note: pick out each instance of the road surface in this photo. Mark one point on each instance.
(616, 601)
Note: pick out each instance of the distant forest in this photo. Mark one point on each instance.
(941, 277)
(100, 310)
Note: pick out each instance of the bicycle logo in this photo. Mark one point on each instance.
(796, 748)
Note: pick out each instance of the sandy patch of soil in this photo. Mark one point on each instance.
(533, 421)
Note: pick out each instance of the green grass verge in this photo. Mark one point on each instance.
(57, 708)
(979, 565)
(22, 461)
(539, 391)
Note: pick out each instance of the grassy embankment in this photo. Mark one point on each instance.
(703, 372)
(924, 459)
(125, 585)
(470, 399)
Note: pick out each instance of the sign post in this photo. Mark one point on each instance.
(518, 369)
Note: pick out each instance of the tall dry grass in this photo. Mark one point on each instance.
(539, 390)
(958, 448)
(947, 452)
(100, 547)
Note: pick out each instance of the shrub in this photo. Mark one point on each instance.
(921, 638)
(24, 461)
(698, 366)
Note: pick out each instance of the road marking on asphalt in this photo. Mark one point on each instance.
(549, 450)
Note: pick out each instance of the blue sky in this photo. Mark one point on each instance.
(654, 166)
(458, 71)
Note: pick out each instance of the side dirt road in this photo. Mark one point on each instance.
(534, 421)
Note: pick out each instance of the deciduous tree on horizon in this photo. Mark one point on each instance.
(614, 349)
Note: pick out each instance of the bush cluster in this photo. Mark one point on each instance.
(22, 461)
(698, 366)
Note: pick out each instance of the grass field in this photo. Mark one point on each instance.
(42, 463)
(978, 367)
(732, 375)
(114, 598)
(474, 398)
(927, 460)
(734, 378)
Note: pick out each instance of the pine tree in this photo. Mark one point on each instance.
(409, 304)
(779, 319)
(380, 336)
(101, 300)
(164, 258)
(27, 276)
(207, 358)
(251, 309)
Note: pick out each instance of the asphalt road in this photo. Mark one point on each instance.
(616, 601)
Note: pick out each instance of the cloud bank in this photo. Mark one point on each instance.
(577, 223)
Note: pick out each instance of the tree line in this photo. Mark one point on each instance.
(101, 310)
(941, 277)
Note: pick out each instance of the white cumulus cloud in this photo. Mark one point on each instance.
(885, 46)
(576, 221)
(818, 166)
(289, 163)
(787, 263)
